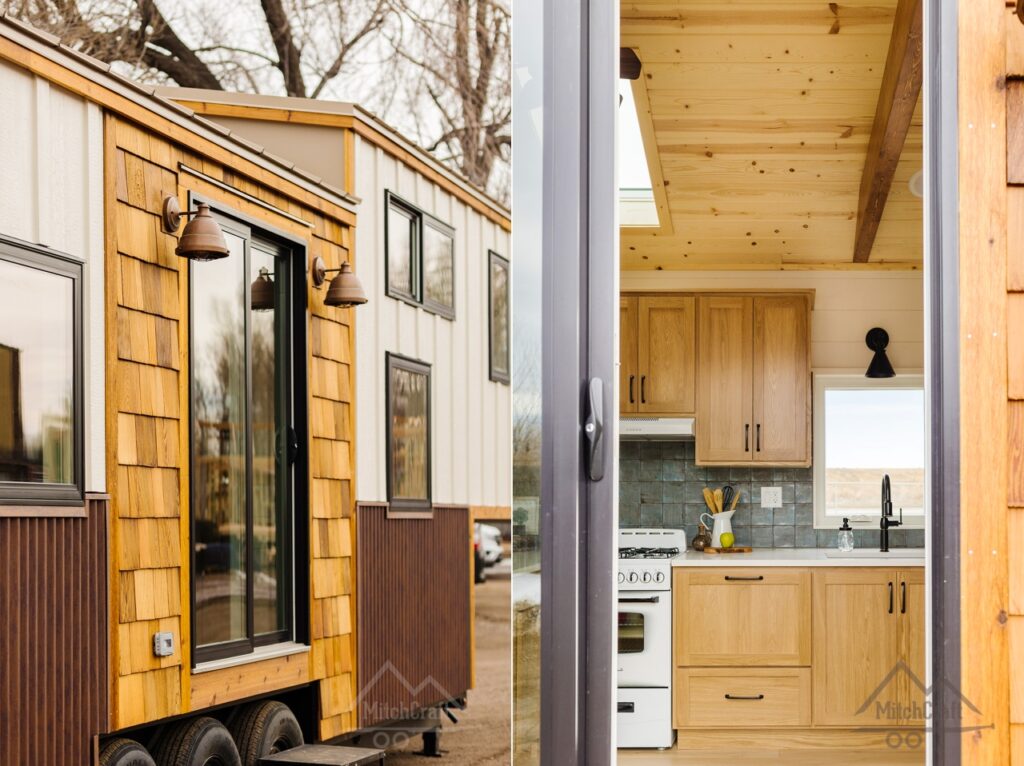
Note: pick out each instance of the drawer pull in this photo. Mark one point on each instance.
(754, 697)
(627, 707)
(735, 578)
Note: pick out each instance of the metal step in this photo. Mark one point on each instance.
(326, 755)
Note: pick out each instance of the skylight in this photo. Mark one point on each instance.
(636, 198)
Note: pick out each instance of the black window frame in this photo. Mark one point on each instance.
(403, 507)
(295, 524)
(499, 376)
(420, 221)
(51, 495)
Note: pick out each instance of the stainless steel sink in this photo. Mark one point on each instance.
(874, 553)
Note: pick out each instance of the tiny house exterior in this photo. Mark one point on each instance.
(433, 338)
(177, 462)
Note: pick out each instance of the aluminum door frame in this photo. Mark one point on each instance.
(579, 517)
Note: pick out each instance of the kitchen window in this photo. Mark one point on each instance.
(408, 437)
(498, 285)
(244, 445)
(863, 429)
(41, 431)
(420, 254)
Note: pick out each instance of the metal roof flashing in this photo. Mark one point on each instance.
(49, 47)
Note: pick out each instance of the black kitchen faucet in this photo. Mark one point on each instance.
(887, 519)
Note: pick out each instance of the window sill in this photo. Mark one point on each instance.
(43, 511)
(271, 652)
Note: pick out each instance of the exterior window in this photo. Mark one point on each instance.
(420, 255)
(41, 442)
(438, 267)
(850, 460)
(499, 305)
(241, 431)
(408, 430)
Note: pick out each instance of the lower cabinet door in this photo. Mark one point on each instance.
(912, 647)
(858, 676)
(742, 697)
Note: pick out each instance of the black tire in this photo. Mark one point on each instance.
(197, 742)
(125, 752)
(480, 570)
(264, 728)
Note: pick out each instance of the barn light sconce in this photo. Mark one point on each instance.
(345, 289)
(261, 293)
(201, 239)
(880, 367)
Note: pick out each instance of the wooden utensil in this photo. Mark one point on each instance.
(718, 501)
(735, 499)
(709, 500)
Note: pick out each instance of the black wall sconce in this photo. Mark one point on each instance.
(345, 290)
(201, 239)
(880, 367)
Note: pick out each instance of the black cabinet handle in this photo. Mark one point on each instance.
(627, 707)
(647, 600)
(754, 697)
(890, 597)
(643, 389)
(736, 578)
(903, 597)
(631, 379)
(758, 437)
(746, 437)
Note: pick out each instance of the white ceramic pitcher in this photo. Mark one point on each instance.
(720, 523)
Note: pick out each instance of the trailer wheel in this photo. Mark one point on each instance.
(196, 742)
(265, 728)
(125, 752)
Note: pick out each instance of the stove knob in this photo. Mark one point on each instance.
(647, 576)
(633, 577)
(659, 577)
(622, 577)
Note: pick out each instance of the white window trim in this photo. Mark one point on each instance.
(822, 382)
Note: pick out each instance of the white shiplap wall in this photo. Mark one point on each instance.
(847, 304)
(51, 194)
(471, 415)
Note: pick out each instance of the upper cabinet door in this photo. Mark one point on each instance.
(667, 356)
(725, 354)
(629, 379)
(782, 379)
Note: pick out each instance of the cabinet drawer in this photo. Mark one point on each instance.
(742, 617)
(748, 697)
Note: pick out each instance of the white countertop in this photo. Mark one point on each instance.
(804, 557)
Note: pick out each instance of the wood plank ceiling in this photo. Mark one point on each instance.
(760, 117)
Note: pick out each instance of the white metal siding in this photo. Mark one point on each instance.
(471, 424)
(51, 193)
(847, 304)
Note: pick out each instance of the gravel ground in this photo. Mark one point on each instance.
(483, 735)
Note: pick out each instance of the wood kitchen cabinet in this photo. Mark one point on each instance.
(742, 617)
(868, 632)
(657, 354)
(754, 394)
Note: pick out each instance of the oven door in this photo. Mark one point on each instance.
(645, 638)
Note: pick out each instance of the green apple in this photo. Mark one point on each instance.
(728, 538)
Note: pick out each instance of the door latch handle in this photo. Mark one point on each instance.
(293, 445)
(593, 429)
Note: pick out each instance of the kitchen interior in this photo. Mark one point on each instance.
(772, 456)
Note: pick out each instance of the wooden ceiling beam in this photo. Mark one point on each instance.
(897, 99)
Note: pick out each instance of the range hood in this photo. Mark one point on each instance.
(656, 428)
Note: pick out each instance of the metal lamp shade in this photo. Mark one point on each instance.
(261, 294)
(202, 239)
(345, 289)
(880, 367)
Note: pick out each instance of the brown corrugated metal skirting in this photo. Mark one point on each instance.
(414, 612)
(53, 637)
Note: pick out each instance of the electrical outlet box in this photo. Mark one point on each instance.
(771, 497)
(163, 644)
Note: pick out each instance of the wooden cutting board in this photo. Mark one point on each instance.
(733, 549)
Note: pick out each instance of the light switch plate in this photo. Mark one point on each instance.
(771, 497)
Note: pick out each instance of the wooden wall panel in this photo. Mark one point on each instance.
(53, 637)
(148, 432)
(415, 611)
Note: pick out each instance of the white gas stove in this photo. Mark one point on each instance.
(645, 636)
